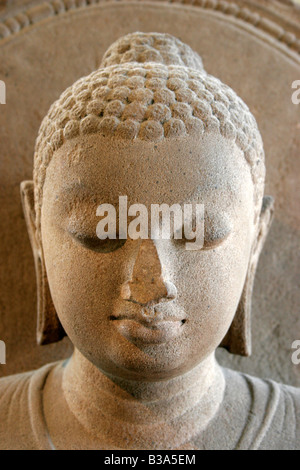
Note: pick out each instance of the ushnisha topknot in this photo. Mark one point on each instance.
(149, 86)
(151, 47)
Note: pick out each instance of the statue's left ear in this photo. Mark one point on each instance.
(238, 337)
(49, 328)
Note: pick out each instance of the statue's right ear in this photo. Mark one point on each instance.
(49, 328)
(27, 197)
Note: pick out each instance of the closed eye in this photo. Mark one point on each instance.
(210, 242)
(95, 244)
(213, 240)
(217, 229)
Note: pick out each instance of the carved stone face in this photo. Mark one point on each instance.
(181, 302)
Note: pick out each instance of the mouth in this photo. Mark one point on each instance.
(148, 330)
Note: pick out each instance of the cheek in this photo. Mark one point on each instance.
(83, 284)
(210, 284)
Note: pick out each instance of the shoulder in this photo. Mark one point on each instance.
(21, 410)
(284, 429)
(273, 417)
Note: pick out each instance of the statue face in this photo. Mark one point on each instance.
(182, 302)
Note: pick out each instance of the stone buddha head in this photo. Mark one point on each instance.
(152, 125)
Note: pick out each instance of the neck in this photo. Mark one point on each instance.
(139, 414)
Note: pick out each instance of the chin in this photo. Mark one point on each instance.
(147, 368)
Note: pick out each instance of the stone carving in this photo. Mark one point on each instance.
(268, 30)
(146, 318)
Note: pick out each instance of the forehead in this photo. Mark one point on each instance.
(171, 171)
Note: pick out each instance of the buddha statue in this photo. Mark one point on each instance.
(146, 315)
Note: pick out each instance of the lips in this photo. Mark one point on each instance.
(148, 331)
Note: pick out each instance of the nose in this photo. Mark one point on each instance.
(148, 286)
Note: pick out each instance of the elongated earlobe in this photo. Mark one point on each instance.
(238, 337)
(49, 328)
